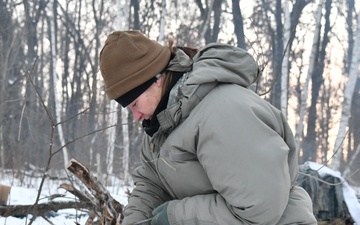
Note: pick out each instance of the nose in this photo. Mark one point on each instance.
(137, 114)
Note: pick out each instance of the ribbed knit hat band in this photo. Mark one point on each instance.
(127, 98)
(128, 60)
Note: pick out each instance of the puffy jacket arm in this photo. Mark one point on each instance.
(247, 165)
(148, 192)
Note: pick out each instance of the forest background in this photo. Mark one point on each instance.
(52, 101)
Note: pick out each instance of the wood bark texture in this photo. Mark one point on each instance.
(110, 209)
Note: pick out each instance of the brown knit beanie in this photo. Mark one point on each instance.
(128, 60)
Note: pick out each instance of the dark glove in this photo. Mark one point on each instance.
(160, 215)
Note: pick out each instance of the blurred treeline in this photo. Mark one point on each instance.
(52, 99)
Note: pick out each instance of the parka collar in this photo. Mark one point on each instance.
(214, 64)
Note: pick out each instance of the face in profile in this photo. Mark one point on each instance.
(143, 107)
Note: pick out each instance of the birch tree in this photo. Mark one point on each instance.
(162, 22)
(113, 117)
(305, 90)
(57, 102)
(346, 104)
(111, 137)
(310, 141)
(353, 136)
(122, 16)
(285, 61)
(126, 145)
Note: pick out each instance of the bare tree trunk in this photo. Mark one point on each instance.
(57, 101)
(277, 49)
(124, 112)
(346, 104)
(136, 17)
(238, 24)
(350, 32)
(310, 142)
(2, 152)
(216, 23)
(98, 164)
(111, 138)
(91, 150)
(5, 37)
(285, 61)
(304, 93)
(162, 22)
(3, 68)
(206, 22)
(351, 162)
(126, 145)
(98, 12)
(122, 12)
(354, 128)
(324, 122)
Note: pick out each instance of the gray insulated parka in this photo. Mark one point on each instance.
(222, 154)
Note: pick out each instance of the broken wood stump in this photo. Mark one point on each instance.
(108, 209)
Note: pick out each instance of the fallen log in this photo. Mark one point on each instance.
(99, 203)
(41, 209)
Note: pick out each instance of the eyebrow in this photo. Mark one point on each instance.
(133, 103)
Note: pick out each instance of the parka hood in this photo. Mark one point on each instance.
(212, 65)
(223, 63)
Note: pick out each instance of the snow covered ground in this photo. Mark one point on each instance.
(25, 193)
(25, 190)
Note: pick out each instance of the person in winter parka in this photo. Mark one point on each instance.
(214, 153)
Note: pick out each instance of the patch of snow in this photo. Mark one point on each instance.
(25, 193)
(348, 192)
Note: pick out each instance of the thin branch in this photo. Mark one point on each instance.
(336, 150)
(30, 73)
(49, 221)
(21, 119)
(80, 137)
(38, 94)
(72, 117)
(52, 122)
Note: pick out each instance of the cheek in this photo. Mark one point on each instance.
(147, 103)
(154, 104)
(148, 108)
